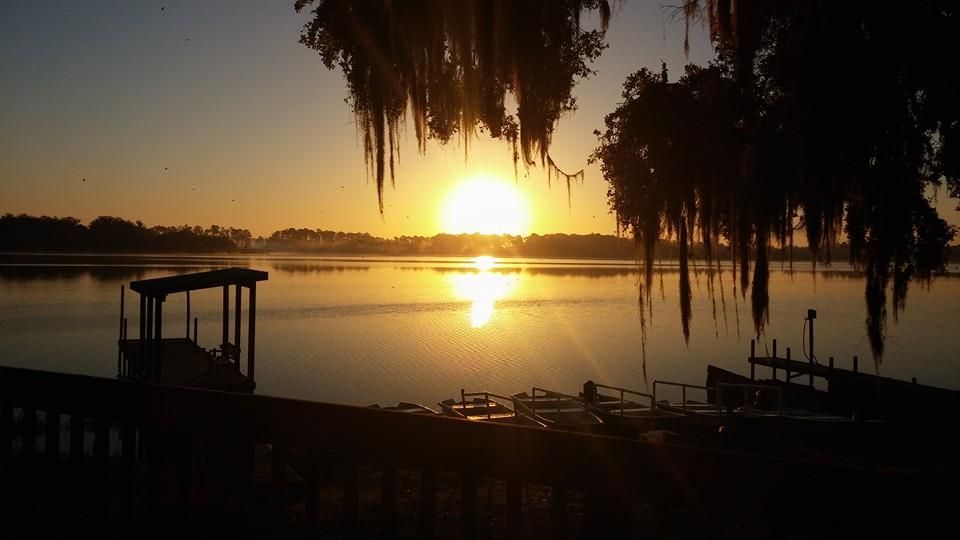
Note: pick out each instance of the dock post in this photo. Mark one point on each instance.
(753, 350)
(126, 366)
(188, 314)
(143, 333)
(252, 331)
(787, 363)
(146, 359)
(226, 315)
(811, 316)
(831, 365)
(119, 339)
(855, 362)
(774, 363)
(159, 338)
(195, 330)
(236, 324)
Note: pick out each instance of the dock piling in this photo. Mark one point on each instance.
(787, 364)
(774, 356)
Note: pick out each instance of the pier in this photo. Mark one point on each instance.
(181, 361)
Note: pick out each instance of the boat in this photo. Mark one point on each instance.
(620, 409)
(411, 408)
(558, 410)
(487, 407)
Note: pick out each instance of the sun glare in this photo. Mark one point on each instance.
(482, 289)
(485, 204)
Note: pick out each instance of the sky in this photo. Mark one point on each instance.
(212, 112)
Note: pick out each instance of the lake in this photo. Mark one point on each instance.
(362, 330)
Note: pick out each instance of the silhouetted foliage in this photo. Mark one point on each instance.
(453, 64)
(111, 234)
(818, 117)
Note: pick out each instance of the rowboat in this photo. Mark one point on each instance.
(557, 410)
(412, 408)
(487, 407)
(627, 412)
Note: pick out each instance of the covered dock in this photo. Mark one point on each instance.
(181, 361)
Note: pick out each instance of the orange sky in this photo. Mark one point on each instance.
(211, 112)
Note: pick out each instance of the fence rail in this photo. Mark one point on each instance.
(154, 445)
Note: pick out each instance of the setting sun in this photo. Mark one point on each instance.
(485, 204)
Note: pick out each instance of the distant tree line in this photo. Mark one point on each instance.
(112, 234)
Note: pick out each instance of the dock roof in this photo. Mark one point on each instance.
(200, 280)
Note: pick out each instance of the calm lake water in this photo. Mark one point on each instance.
(364, 330)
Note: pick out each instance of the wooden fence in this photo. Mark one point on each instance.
(154, 448)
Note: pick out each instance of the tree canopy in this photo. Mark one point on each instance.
(453, 65)
(826, 118)
(822, 118)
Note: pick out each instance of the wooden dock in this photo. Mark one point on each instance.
(151, 357)
(181, 362)
(856, 391)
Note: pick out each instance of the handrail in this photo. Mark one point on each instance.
(164, 420)
(683, 389)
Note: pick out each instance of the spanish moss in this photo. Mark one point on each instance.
(822, 118)
(451, 65)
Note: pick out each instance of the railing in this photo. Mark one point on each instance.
(150, 441)
(683, 391)
(577, 402)
(486, 397)
(623, 391)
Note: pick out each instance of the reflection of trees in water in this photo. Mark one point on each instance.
(56, 273)
(308, 268)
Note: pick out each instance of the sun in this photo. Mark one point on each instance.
(485, 204)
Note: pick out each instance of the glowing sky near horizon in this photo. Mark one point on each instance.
(212, 112)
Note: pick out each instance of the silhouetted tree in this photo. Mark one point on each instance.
(453, 64)
(828, 117)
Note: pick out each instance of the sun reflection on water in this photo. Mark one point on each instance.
(483, 288)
